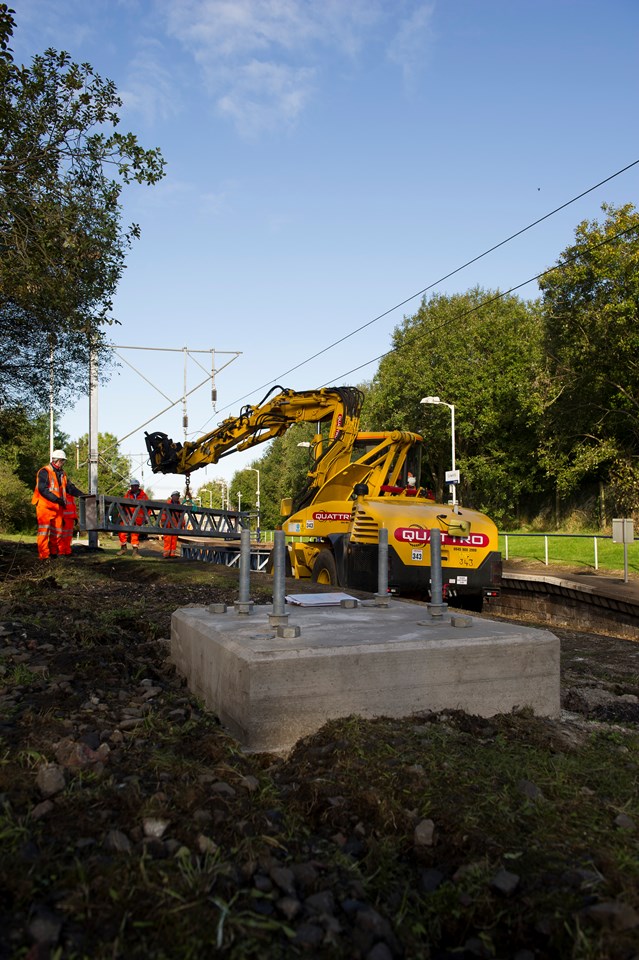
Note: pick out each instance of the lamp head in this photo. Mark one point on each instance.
(430, 400)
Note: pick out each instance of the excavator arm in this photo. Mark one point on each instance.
(271, 418)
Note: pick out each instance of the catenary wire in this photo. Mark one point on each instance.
(430, 286)
(410, 341)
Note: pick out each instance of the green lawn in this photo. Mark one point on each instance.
(578, 550)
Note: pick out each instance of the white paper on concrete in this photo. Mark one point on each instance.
(317, 599)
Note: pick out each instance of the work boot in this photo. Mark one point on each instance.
(135, 552)
(123, 548)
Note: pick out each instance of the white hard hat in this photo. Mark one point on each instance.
(176, 493)
(58, 455)
(135, 483)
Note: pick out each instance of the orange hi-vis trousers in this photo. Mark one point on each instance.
(69, 517)
(134, 538)
(50, 519)
(170, 546)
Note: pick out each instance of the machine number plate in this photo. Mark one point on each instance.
(417, 555)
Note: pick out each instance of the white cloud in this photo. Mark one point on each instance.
(217, 203)
(411, 43)
(150, 88)
(263, 95)
(260, 57)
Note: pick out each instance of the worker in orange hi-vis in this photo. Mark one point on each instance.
(50, 499)
(69, 517)
(135, 492)
(173, 519)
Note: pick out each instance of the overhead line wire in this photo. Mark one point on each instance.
(434, 283)
(409, 342)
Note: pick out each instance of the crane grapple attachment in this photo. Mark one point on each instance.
(163, 452)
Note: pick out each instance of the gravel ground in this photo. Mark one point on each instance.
(133, 825)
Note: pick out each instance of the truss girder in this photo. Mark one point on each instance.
(228, 556)
(121, 515)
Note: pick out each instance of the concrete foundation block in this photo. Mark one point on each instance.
(269, 691)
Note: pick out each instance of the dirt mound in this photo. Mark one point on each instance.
(132, 825)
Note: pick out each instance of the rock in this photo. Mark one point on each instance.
(594, 696)
(117, 842)
(202, 817)
(262, 883)
(223, 788)
(416, 769)
(373, 922)
(530, 790)
(505, 882)
(42, 809)
(289, 907)
(430, 879)
(619, 916)
(45, 926)
(50, 779)
(78, 755)
(308, 935)
(625, 822)
(206, 844)
(306, 875)
(250, 783)
(284, 878)
(131, 723)
(379, 952)
(322, 902)
(91, 738)
(155, 827)
(424, 832)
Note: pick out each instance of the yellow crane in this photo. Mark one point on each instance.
(357, 483)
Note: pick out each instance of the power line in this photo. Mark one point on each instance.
(430, 286)
(409, 342)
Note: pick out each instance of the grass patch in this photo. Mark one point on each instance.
(578, 551)
(312, 855)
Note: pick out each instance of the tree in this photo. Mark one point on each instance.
(213, 494)
(591, 321)
(480, 351)
(16, 512)
(24, 443)
(283, 472)
(114, 468)
(24, 448)
(63, 165)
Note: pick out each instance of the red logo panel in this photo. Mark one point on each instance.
(419, 535)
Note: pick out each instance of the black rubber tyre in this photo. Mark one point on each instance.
(324, 569)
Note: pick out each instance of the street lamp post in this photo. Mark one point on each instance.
(257, 502)
(225, 492)
(454, 475)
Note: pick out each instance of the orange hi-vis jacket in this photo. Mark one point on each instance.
(70, 511)
(139, 520)
(55, 487)
(173, 518)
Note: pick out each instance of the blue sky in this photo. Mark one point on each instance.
(329, 159)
